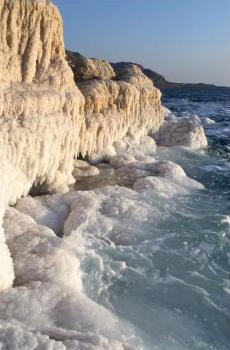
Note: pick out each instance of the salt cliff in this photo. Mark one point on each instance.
(45, 120)
(115, 105)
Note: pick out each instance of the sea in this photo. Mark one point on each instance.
(166, 276)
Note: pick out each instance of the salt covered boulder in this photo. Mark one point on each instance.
(167, 178)
(187, 132)
(87, 171)
(89, 68)
(134, 75)
(84, 169)
(105, 169)
(206, 121)
(121, 160)
(163, 186)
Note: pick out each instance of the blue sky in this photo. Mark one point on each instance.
(185, 40)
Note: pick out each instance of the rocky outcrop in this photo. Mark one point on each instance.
(89, 68)
(115, 105)
(159, 80)
(45, 121)
(127, 105)
(41, 109)
(116, 109)
(132, 74)
(32, 49)
(187, 132)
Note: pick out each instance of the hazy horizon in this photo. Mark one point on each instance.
(183, 40)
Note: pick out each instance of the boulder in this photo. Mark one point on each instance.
(187, 132)
(89, 68)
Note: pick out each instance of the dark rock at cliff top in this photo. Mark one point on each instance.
(158, 80)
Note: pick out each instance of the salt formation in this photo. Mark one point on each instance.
(206, 121)
(89, 68)
(43, 125)
(47, 306)
(45, 122)
(126, 106)
(41, 110)
(187, 131)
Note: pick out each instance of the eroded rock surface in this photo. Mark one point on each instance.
(115, 109)
(89, 68)
(45, 120)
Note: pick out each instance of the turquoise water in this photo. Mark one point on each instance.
(167, 272)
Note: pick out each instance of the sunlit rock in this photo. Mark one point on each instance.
(89, 68)
(183, 132)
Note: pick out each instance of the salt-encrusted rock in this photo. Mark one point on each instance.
(50, 211)
(120, 160)
(115, 109)
(79, 163)
(105, 169)
(131, 73)
(41, 109)
(163, 169)
(86, 171)
(38, 254)
(32, 48)
(206, 121)
(45, 122)
(183, 132)
(163, 186)
(89, 68)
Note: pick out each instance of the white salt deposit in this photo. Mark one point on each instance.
(48, 304)
(206, 121)
(187, 131)
(48, 298)
(50, 211)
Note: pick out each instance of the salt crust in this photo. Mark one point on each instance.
(45, 121)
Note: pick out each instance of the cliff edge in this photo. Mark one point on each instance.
(45, 119)
(41, 109)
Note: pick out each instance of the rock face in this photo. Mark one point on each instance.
(129, 105)
(41, 109)
(116, 109)
(115, 105)
(133, 75)
(44, 118)
(89, 68)
(32, 49)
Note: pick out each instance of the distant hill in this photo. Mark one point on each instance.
(158, 80)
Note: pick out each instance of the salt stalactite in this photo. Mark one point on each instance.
(41, 109)
(44, 120)
(115, 109)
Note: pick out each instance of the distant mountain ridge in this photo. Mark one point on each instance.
(159, 80)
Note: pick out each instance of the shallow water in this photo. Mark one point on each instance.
(149, 269)
(167, 274)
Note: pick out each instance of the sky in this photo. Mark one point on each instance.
(184, 40)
